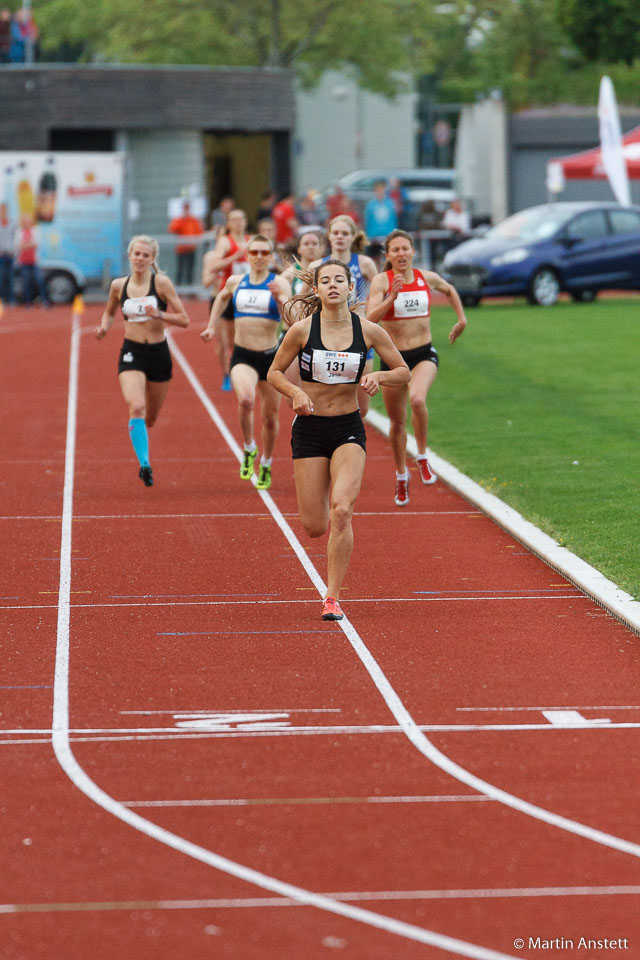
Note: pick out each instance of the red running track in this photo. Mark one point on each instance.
(196, 766)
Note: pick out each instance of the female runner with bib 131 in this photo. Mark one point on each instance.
(148, 300)
(327, 436)
(400, 301)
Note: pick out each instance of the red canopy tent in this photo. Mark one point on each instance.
(587, 165)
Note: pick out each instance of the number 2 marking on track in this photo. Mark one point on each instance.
(231, 721)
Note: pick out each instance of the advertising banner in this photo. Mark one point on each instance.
(75, 199)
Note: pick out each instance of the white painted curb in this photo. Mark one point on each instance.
(584, 576)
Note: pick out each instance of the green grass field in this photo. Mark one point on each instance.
(540, 407)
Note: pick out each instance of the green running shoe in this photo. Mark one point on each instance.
(246, 470)
(264, 478)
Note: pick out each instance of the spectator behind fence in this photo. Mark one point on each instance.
(266, 205)
(185, 226)
(336, 204)
(284, 217)
(7, 247)
(220, 214)
(349, 209)
(400, 199)
(27, 255)
(430, 217)
(306, 212)
(457, 220)
(5, 35)
(24, 37)
(380, 216)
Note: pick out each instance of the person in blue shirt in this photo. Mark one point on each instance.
(380, 217)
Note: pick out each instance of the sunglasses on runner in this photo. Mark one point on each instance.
(259, 253)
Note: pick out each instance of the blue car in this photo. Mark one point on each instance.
(576, 247)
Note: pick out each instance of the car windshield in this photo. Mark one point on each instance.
(528, 225)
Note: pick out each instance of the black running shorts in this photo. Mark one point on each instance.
(227, 313)
(413, 357)
(153, 359)
(258, 360)
(321, 436)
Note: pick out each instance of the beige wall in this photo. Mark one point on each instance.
(247, 160)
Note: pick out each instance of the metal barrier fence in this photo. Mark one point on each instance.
(430, 245)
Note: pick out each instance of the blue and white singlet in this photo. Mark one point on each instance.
(255, 300)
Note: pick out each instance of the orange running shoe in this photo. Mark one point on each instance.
(426, 473)
(331, 610)
(402, 492)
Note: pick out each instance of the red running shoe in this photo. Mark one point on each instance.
(331, 610)
(402, 492)
(426, 473)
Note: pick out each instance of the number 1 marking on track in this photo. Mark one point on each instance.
(572, 717)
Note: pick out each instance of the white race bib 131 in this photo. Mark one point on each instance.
(335, 366)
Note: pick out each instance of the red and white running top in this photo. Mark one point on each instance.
(414, 300)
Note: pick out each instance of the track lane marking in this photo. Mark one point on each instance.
(303, 801)
(384, 687)
(225, 603)
(78, 776)
(256, 902)
(345, 730)
(542, 709)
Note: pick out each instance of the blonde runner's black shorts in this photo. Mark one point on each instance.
(153, 359)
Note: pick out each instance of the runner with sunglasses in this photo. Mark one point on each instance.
(257, 298)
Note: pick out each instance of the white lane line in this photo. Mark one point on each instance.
(389, 695)
(68, 762)
(542, 709)
(603, 591)
(307, 732)
(176, 713)
(256, 516)
(251, 903)
(226, 603)
(303, 801)
(410, 728)
(257, 731)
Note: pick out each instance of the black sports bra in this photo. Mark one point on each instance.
(319, 365)
(133, 308)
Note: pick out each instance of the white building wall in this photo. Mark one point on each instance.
(481, 158)
(162, 164)
(340, 128)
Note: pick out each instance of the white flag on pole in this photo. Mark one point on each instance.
(611, 143)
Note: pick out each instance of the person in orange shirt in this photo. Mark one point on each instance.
(185, 226)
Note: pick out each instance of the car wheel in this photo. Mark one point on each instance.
(544, 287)
(584, 296)
(61, 287)
(470, 301)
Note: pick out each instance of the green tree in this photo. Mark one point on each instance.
(607, 31)
(308, 36)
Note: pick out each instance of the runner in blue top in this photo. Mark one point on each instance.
(258, 298)
(346, 243)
